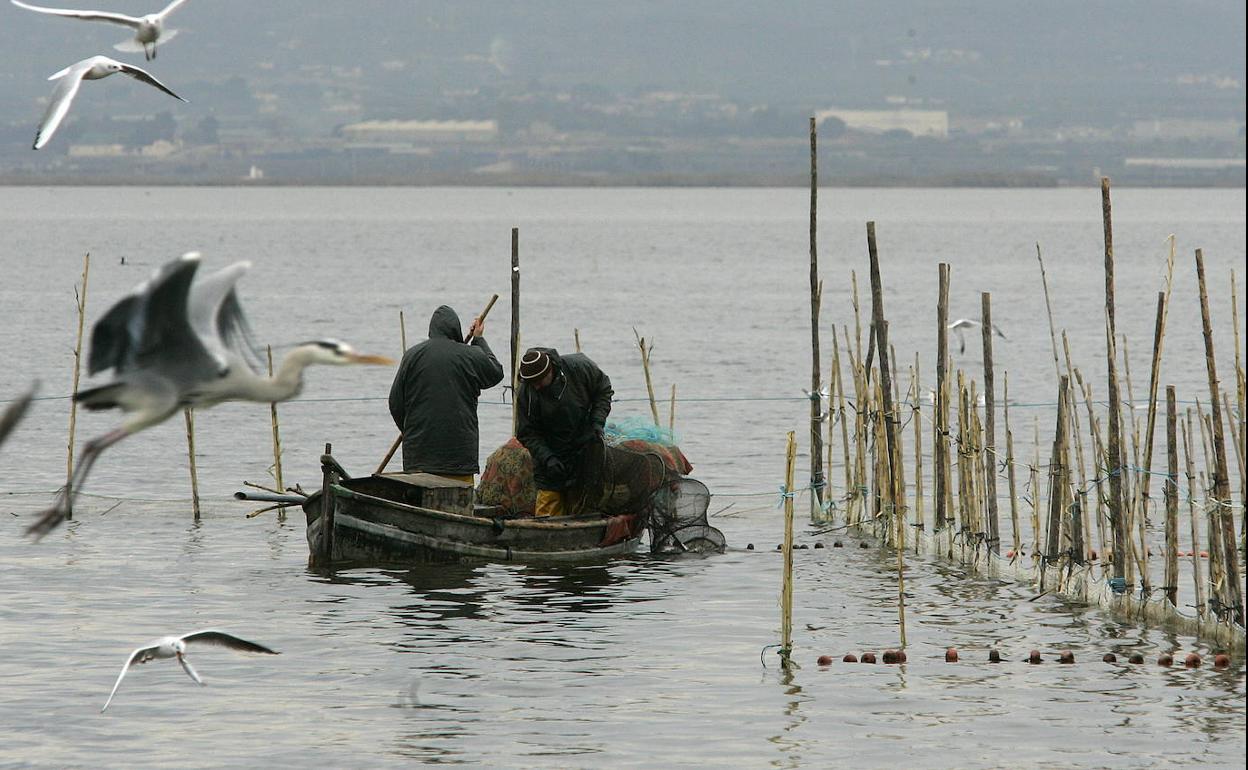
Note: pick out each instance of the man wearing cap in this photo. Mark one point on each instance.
(433, 399)
(562, 406)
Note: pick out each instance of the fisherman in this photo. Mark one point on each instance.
(433, 399)
(562, 407)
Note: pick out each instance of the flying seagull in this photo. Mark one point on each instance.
(175, 647)
(71, 78)
(966, 323)
(14, 412)
(149, 30)
(173, 344)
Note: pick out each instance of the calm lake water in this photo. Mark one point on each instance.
(638, 662)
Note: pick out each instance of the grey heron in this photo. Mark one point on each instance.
(966, 323)
(14, 412)
(175, 647)
(174, 342)
(149, 30)
(71, 78)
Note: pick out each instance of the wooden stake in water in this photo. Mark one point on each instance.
(645, 366)
(1009, 464)
(671, 413)
(918, 453)
(1048, 306)
(190, 453)
(941, 448)
(816, 299)
(1114, 448)
(1057, 476)
(277, 441)
(1221, 479)
(515, 322)
(1194, 520)
(81, 303)
(1171, 490)
(786, 587)
(990, 426)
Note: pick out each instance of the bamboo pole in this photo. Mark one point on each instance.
(671, 413)
(840, 400)
(1135, 518)
(189, 414)
(816, 300)
(1154, 379)
(786, 588)
(1114, 449)
(80, 300)
(1057, 477)
(1075, 436)
(1048, 306)
(886, 374)
(1201, 607)
(1241, 390)
(941, 448)
(1221, 480)
(645, 366)
(918, 453)
(990, 425)
(1171, 491)
(853, 281)
(1035, 488)
(277, 438)
(1098, 453)
(1009, 464)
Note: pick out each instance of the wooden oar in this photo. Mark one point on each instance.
(468, 341)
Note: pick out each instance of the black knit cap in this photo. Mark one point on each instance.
(534, 365)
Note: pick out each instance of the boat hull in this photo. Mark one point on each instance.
(370, 526)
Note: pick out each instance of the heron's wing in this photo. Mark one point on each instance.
(222, 639)
(142, 654)
(138, 73)
(190, 670)
(117, 339)
(170, 8)
(217, 317)
(111, 18)
(13, 412)
(70, 79)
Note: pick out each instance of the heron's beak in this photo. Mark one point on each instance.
(361, 358)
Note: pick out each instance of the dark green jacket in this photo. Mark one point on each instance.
(434, 397)
(559, 420)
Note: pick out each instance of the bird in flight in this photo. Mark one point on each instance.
(173, 343)
(962, 324)
(14, 412)
(149, 30)
(71, 79)
(175, 647)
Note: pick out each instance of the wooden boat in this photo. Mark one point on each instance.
(417, 517)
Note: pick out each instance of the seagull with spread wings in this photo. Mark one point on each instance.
(149, 30)
(965, 323)
(71, 79)
(175, 647)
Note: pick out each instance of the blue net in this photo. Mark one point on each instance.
(637, 428)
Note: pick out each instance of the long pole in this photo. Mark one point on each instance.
(816, 299)
(277, 440)
(1193, 519)
(1009, 464)
(1172, 499)
(990, 426)
(515, 321)
(1221, 479)
(1048, 307)
(189, 413)
(890, 419)
(645, 366)
(786, 586)
(942, 402)
(1114, 449)
(73, 405)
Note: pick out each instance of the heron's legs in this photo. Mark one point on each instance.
(52, 517)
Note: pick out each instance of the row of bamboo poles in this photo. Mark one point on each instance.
(1087, 512)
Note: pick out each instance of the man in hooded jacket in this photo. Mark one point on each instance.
(434, 397)
(562, 406)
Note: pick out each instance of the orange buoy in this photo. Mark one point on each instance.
(824, 660)
(951, 655)
(1221, 660)
(1066, 657)
(850, 658)
(1192, 660)
(1166, 660)
(1136, 657)
(901, 656)
(889, 656)
(1109, 657)
(868, 657)
(1034, 657)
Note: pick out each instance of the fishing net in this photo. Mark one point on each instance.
(635, 470)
